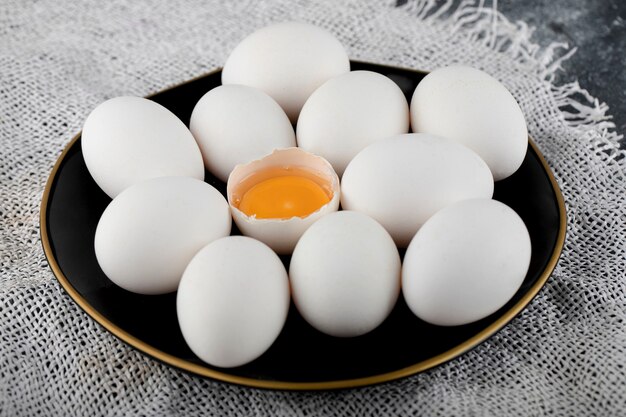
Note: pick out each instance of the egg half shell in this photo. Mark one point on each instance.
(282, 234)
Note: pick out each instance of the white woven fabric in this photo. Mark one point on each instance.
(564, 355)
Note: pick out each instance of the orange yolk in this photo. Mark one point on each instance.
(283, 197)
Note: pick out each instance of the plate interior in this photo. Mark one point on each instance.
(301, 357)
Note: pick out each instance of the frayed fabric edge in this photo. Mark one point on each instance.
(483, 23)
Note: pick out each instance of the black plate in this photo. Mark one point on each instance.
(301, 357)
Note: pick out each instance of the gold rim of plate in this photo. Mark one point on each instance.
(429, 363)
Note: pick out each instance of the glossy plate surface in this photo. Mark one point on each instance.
(301, 358)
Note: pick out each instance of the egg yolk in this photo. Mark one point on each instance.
(283, 197)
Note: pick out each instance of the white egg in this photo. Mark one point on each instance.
(281, 233)
(473, 108)
(402, 181)
(345, 274)
(349, 112)
(126, 140)
(148, 234)
(233, 301)
(466, 262)
(234, 124)
(288, 61)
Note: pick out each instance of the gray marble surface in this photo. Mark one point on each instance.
(597, 29)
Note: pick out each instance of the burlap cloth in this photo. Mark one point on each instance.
(564, 355)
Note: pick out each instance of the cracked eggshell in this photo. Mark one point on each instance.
(281, 234)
